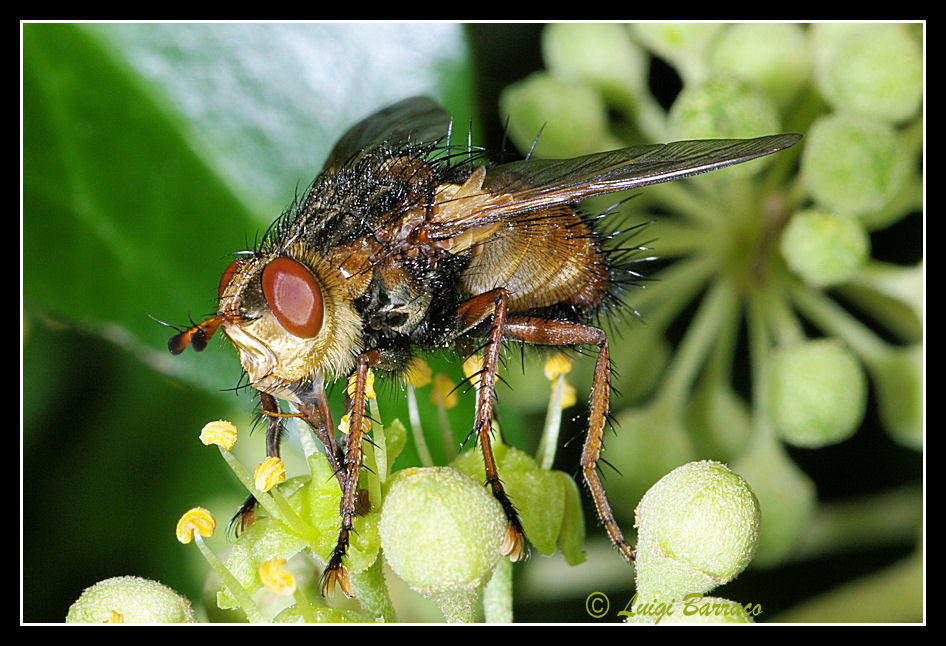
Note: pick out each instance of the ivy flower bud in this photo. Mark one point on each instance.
(698, 528)
(442, 533)
(222, 433)
(723, 107)
(816, 393)
(197, 520)
(852, 164)
(872, 69)
(130, 599)
(824, 249)
(773, 56)
(269, 473)
(571, 115)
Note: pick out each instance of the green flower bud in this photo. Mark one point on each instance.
(571, 116)
(697, 528)
(576, 51)
(441, 533)
(721, 108)
(724, 108)
(773, 56)
(816, 393)
(824, 249)
(872, 69)
(130, 599)
(852, 164)
(682, 43)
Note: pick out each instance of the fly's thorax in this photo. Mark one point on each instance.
(290, 314)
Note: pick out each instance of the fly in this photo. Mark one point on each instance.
(406, 243)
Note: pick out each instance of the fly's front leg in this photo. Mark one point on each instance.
(336, 572)
(562, 333)
(471, 313)
(246, 516)
(315, 412)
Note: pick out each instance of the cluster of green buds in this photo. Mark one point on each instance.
(759, 246)
(436, 527)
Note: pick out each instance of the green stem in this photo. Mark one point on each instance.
(272, 501)
(718, 304)
(831, 317)
(497, 597)
(417, 430)
(548, 444)
(456, 605)
(380, 442)
(672, 290)
(446, 432)
(372, 593)
(894, 594)
(878, 520)
(784, 324)
(253, 614)
(760, 346)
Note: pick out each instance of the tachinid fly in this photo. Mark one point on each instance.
(405, 243)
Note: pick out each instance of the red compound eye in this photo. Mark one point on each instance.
(227, 277)
(294, 297)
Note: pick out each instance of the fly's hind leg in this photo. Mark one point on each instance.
(563, 333)
(471, 313)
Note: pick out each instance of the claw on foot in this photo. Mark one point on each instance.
(336, 574)
(513, 545)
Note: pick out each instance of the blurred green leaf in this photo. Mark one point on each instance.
(150, 152)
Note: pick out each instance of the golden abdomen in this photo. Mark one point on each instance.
(542, 258)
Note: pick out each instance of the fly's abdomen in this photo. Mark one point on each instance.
(544, 259)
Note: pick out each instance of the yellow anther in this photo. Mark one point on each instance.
(222, 433)
(472, 365)
(275, 578)
(369, 385)
(345, 422)
(443, 393)
(269, 473)
(197, 520)
(569, 395)
(418, 373)
(115, 618)
(558, 364)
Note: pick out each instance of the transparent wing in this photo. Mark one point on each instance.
(543, 183)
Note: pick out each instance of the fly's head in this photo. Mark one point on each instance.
(290, 315)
